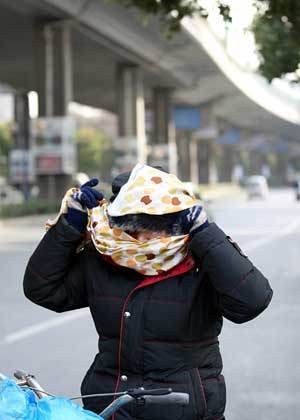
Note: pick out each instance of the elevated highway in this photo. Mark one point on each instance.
(89, 51)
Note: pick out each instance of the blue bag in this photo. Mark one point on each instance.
(53, 408)
(17, 403)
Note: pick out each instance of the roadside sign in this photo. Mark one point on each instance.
(21, 166)
(230, 137)
(54, 148)
(187, 117)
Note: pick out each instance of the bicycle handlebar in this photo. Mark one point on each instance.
(171, 398)
(140, 395)
(26, 379)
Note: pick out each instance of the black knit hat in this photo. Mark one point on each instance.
(172, 224)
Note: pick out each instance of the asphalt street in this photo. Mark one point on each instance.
(260, 357)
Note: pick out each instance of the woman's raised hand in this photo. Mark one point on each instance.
(88, 197)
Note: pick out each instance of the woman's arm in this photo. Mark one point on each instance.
(243, 292)
(53, 277)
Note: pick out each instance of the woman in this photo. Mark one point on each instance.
(158, 279)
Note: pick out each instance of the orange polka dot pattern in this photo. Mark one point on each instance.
(151, 191)
(149, 258)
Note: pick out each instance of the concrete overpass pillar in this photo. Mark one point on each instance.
(201, 148)
(183, 140)
(226, 160)
(131, 112)
(55, 90)
(162, 115)
(206, 163)
(21, 135)
(163, 142)
(227, 144)
(256, 161)
(194, 169)
(54, 69)
(21, 111)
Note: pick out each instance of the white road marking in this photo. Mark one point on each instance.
(44, 326)
(252, 245)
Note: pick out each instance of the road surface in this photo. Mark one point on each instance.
(262, 373)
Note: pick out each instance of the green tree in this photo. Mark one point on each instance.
(95, 152)
(6, 140)
(276, 28)
(171, 12)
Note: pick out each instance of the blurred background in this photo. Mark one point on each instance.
(207, 89)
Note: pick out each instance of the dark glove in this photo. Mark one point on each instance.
(77, 218)
(87, 197)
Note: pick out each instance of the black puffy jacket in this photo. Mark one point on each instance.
(161, 335)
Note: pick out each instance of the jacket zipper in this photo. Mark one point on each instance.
(120, 344)
(190, 263)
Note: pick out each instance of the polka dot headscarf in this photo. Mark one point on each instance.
(151, 191)
(147, 191)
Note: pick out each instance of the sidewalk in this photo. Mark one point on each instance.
(215, 192)
(22, 229)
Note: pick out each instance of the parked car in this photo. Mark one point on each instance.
(257, 187)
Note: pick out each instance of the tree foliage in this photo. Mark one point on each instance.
(171, 12)
(276, 28)
(94, 152)
(6, 141)
(277, 35)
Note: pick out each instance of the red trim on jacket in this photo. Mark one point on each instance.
(183, 267)
(187, 264)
